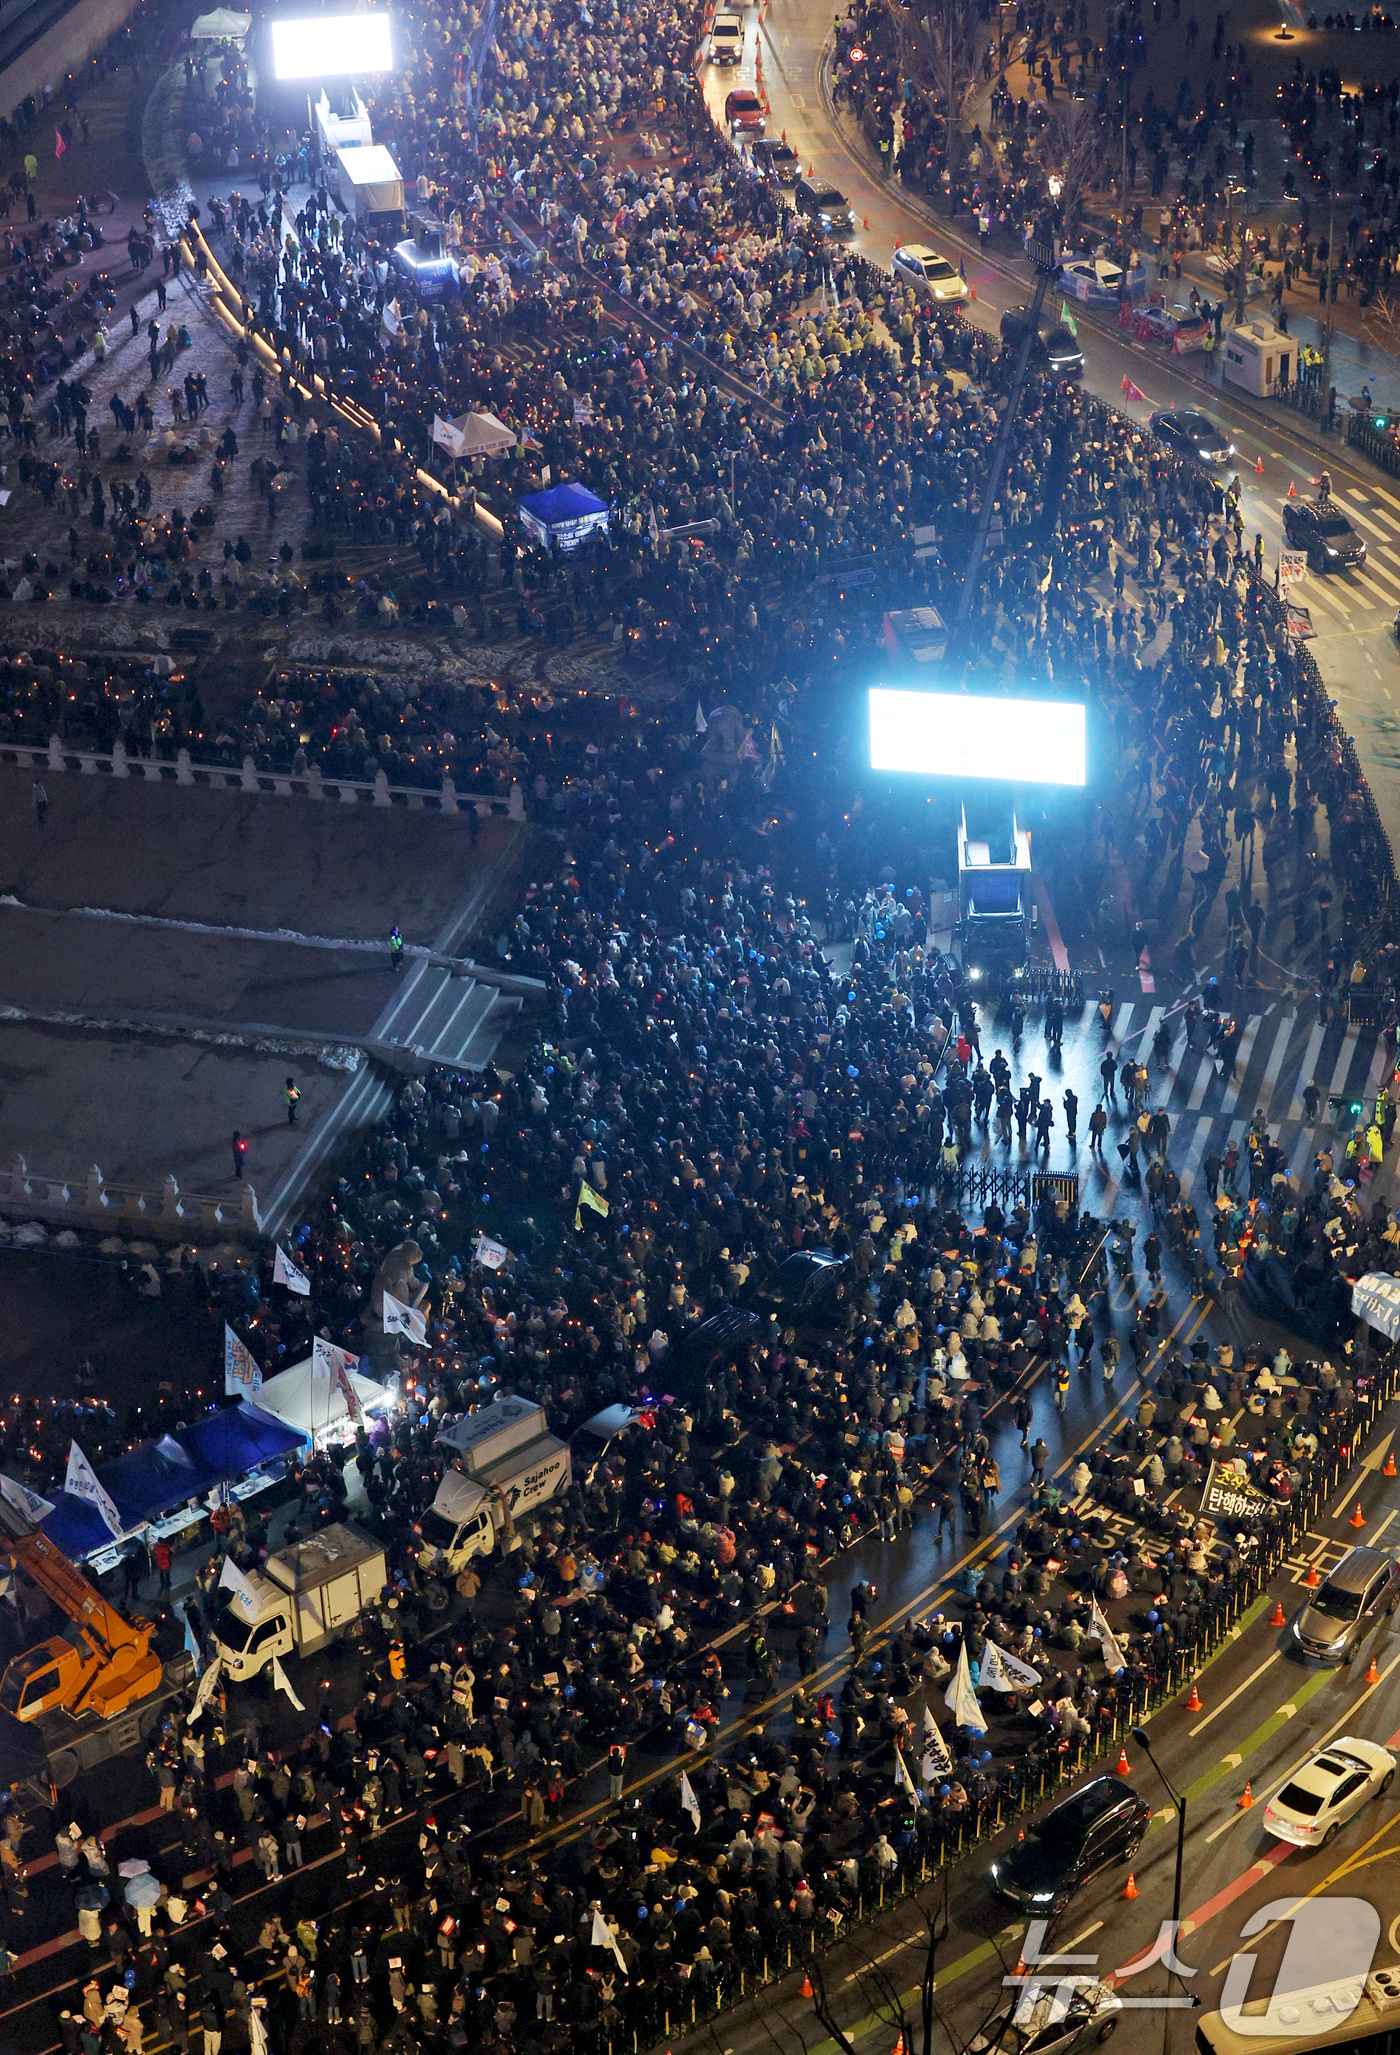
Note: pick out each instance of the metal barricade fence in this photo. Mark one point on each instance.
(659, 2018)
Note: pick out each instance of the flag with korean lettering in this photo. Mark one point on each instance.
(241, 1374)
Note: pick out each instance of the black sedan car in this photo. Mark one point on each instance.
(1190, 433)
(776, 161)
(1323, 530)
(1102, 1822)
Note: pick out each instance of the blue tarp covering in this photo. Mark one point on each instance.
(156, 1476)
(562, 503)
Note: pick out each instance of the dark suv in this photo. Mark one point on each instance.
(1364, 1587)
(1102, 1822)
(1323, 530)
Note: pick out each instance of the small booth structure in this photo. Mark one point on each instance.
(342, 123)
(163, 1487)
(371, 185)
(221, 25)
(316, 1410)
(473, 435)
(563, 516)
(1258, 356)
(425, 261)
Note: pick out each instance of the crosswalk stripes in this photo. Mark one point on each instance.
(1279, 1054)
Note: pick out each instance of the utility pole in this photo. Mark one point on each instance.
(1327, 326)
(1123, 189)
(1043, 257)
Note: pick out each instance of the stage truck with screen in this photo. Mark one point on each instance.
(957, 735)
(322, 46)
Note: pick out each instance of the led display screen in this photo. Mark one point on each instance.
(332, 46)
(949, 735)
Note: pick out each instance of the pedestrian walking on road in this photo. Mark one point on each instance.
(240, 1153)
(41, 803)
(292, 1094)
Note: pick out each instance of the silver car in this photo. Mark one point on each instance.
(1364, 1587)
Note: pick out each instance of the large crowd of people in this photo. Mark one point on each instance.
(714, 1091)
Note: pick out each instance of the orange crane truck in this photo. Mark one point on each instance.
(96, 1690)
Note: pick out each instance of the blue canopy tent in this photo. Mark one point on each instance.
(563, 515)
(153, 1478)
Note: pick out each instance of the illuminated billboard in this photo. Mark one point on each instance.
(950, 735)
(332, 46)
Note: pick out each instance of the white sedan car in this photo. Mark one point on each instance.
(1316, 1803)
(1051, 2019)
(930, 276)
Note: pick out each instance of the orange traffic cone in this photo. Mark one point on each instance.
(1358, 1518)
(1388, 1468)
(1243, 1803)
(899, 2046)
(896, 242)
(1277, 1618)
(806, 1991)
(1293, 488)
(1123, 1767)
(1373, 1675)
(1312, 1580)
(1193, 1703)
(784, 135)
(810, 169)
(1130, 1889)
(973, 290)
(865, 222)
(1259, 465)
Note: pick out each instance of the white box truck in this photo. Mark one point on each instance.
(305, 1596)
(505, 1463)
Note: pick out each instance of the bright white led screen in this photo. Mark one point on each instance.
(332, 46)
(947, 735)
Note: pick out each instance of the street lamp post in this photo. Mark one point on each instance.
(1327, 329)
(1140, 1736)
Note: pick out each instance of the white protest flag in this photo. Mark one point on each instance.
(1101, 1632)
(402, 1319)
(24, 1500)
(283, 1683)
(604, 1937)
(701, 724)
(962, 1699)
(257, 2029)
(937, 1762)
(241, 1373)
(207, 1685)
(284, 1271)
(82, 1482)
(231, 1578)
(902, 1778)
(689, 1802)
(1002, 1672)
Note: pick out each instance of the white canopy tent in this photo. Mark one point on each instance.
(1375, 1298)
(474, 435)
(317, 1408)
(222, 24)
